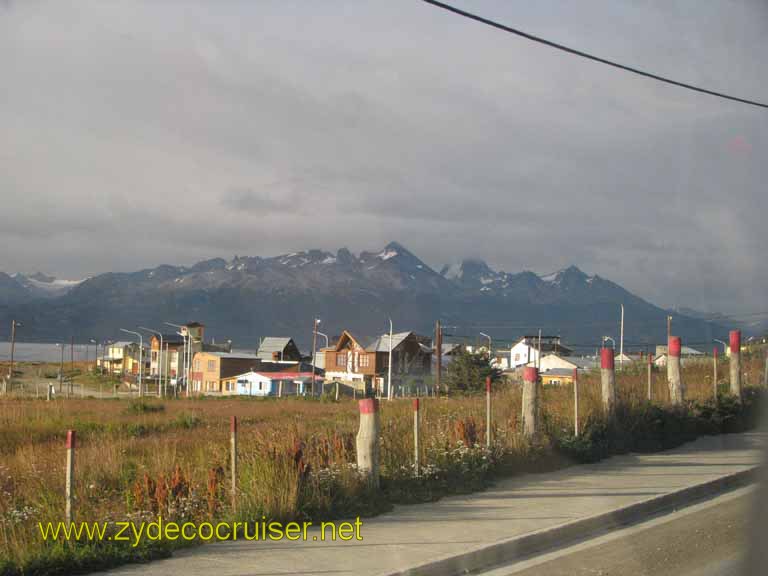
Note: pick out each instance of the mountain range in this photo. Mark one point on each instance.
(246, 298)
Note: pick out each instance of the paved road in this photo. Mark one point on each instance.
(705, 540)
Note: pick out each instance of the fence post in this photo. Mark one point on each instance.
(608, 379)
(735, 363)
(530, 400)
(280, 389)
(416, 435)
(674, 373)
(714, 372)
(233, 446)
(70, 481)
(337, 391)
(488, 411)
(575, 402)
(48, 396)
(368, 440)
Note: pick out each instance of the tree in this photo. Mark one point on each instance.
(468, 371)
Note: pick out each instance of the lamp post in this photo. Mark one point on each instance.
(9, 384)
(725, 346)
(184, 336)
(160, 391)
(96, 352)
(389, 364)
(315, 322)
(141, 356)
(621, 339)
(605, 338)
(490, 346)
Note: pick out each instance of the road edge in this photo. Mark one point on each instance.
(545, 540)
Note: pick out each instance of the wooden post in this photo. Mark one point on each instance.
(416, 436)
(488, 411)
(714, 372)
(50, 394)
(735, 363)
(608, 380)
(650, 377)
(233, 448)
(280, 389)
(575, 402)
(530, 400)
(368, 440)
(674, 372)
(70, 481)
(337, 391)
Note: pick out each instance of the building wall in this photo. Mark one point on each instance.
(208, 370)
(522, 353)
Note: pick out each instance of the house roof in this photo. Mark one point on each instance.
(237, 355)
(381, 344)
(272, 344)
(277, 375)
(120, 344)
(580, 361)
(362, 341)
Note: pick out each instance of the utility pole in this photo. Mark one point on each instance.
(439, 353)
(389, 364)
(621, 337)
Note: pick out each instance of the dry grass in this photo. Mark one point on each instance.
(295, 454)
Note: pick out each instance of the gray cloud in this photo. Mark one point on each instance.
(141, 133)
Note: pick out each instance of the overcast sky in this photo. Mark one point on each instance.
(139, 133)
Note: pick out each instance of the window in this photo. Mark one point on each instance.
(364, 361)
(196, 366)
(154, 356)
(341, 359)
(211, 365)
(517, 357)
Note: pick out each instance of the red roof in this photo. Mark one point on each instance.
(287, 375)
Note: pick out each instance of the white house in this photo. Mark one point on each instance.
(268, 383)
(554, 362)
(526, 350)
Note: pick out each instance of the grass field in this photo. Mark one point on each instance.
(296, 456)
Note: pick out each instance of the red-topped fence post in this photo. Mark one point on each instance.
(735, 363)
(530, 400)
(674, 371)
(608, 380)
(368, 440)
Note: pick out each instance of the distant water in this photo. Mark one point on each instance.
(29, 352)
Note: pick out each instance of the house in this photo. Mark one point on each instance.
(526, 350)
(364, 362)
(112, 360)
(554, 362)
(209, 368)
(268, 384)
(557, 377)
(132, 359)
(278, 348)
(173, 344)
(687, 355)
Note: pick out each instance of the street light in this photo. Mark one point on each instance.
(490, 346)
(160, 390)
(185, 337)
(725, 346)
(141, 355)
(324, 336)
(605, 338)
(90, 341)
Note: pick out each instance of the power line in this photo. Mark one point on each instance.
(588, 56)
